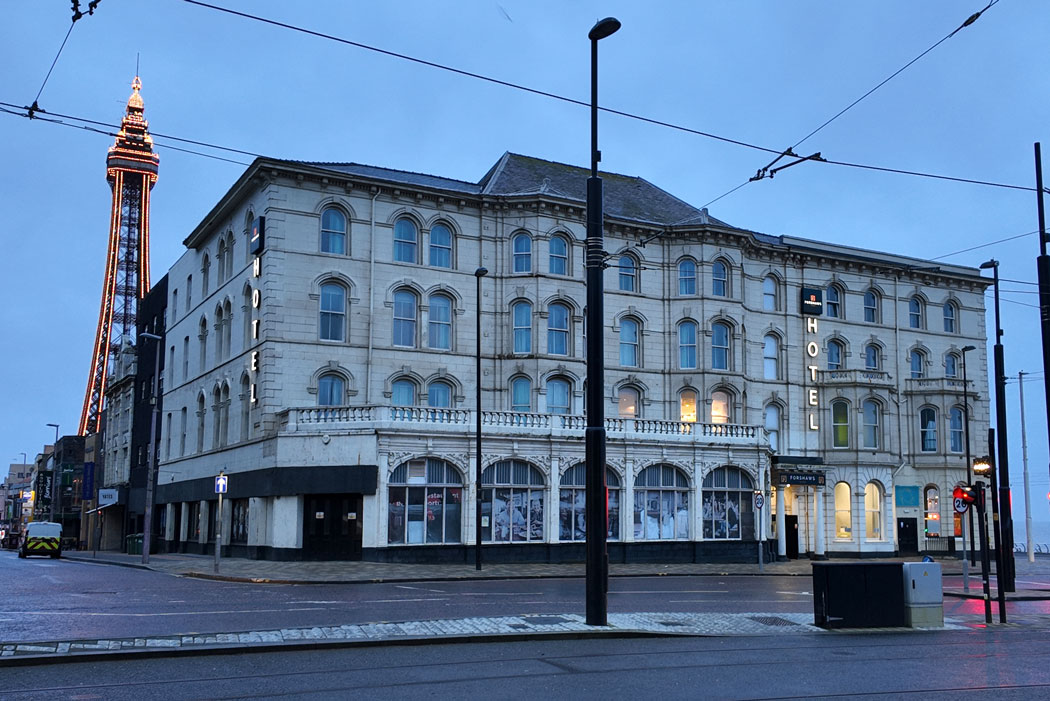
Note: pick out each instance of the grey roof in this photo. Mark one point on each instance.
(626, 197)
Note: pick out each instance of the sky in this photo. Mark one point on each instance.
(762, 72)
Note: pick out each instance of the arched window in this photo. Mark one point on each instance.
(661, 504)
(840, 424)
(229, 255)
(951, 365)
(425, 503)
(843, 512)
(331, 390)
(629, 343)
(572, 504)
(246, 408)
(405, 305)
(873, 511)
(227, 328)
(871, 307)
(439, 329)
(928, 429)
(216, 410)
(687, 277)
(333, 312)
(771, 357)
(185, 358)
(833, 302)
(917, 360)
(687, 345)
(629, 402)
(246, 311)
(558, 396)
(720, 346)
(512, 502)
(521, 246)
(558, 329)
(769, 294)
(220, 261)
(932, 511)
(439, 394)
(836, 355)
(772, 426)
(333, 231)
(687, 405)
(871, 357)
(403, 393)
(203, 336)
(521, 394)
(719, 279)
(628, 274)
(951, 314)
(219, 323)
(871, 420)
(406, 241)
(201, 415)
(205, 273)
(956, 440)
(728, 496)
(440, 246)
(916, 313)
(721, 407)
(522, 317)
(183, 428)
(559, 255)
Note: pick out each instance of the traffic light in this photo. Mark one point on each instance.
(965, 492)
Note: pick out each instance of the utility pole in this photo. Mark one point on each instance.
(1043, 270)
(1027, 489)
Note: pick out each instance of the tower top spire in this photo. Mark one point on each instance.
(135, 101)
(133, 147)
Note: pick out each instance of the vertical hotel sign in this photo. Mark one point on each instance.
(255, 246)
(812, 307)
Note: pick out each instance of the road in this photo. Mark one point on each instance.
(64, 599)
(1002, 664)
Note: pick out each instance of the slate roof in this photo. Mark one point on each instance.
(626, 197)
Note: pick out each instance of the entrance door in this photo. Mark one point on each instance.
(908, 536)
(791, 536)
(332, 526)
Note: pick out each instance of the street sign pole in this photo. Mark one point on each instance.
(961, 508)
(759, 502)
(221, 483)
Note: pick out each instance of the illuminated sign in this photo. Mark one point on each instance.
(782, 478)
(255, 239)
(812, 301)
(257, 229)
(812, 394)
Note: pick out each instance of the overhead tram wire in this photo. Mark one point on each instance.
(583, 103)
(77, 14)
(985, 245)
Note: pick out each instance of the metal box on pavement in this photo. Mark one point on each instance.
(922, 584)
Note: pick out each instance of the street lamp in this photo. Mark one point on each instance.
(985, 467)
(478, 274)
(596, 515)
(54, 472)
(147, 516)
(1006, 522)
(969, 466)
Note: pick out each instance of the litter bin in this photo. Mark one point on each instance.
(858, 594)
(134, 544)
(923, 595)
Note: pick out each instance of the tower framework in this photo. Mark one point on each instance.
(131, 169)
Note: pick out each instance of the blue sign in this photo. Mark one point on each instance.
(87, 490)
(220, 484)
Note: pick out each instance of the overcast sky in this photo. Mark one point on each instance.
(762, 72)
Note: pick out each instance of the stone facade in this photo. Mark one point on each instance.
(342, 354)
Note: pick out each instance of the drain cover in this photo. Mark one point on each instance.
(545, 620)
(772, 621)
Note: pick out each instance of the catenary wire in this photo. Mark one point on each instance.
(39, 92)
(583, 103)
(985, 245)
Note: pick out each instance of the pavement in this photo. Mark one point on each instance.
(1033, 583)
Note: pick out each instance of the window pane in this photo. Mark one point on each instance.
(687, 278)
(840, 424)
(440, 246)
(405, 239)
(719, 408)
(629, 343)
(330, 390)
(439, 394)
(871, 424)
(833, 303)
(871, 358)
(522, 253)
(769, 294)
(521, 399)
(558, 397)
(404, 319)
(687, 406)
(719, 279)
(835, 354)
(333, 231)
(559, 256)
(628, 402)
(522, 327)
(440, 328)
(558, 330)
(404, 393)
(628, 274)
(687, 345)
(720, 347)
(770, 353)
(333, 312)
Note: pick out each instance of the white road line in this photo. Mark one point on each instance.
(509, 593)
(435, 591)
(162, 613)
(397, 601)
(800, 593)
(676, 591)
(317, 602)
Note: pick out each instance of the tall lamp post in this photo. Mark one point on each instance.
(1006, 521)
(596, 513)
(479, 273)
(54, 473)
(147, 515)
(985, 467)
(969, 463)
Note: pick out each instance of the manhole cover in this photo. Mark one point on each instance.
(772, 621)
(545, 620)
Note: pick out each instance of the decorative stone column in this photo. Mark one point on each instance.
(818, 522)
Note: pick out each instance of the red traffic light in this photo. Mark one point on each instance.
(967, 494)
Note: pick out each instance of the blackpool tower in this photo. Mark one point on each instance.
(131, 169)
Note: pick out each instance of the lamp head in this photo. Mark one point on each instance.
(982, 465)
(967, 349)
(481, 272)
(993, 263)
(603, 28)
